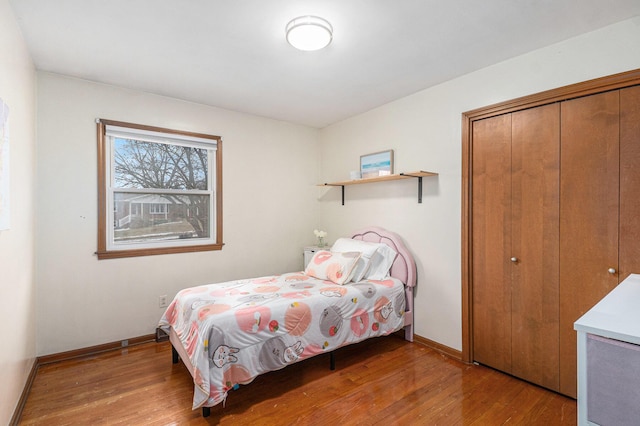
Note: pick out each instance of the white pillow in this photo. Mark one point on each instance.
(367, 250)
(375, 262)
(381, 263)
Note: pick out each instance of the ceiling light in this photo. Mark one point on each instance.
(309, 33)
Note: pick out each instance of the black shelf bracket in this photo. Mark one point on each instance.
(419, 185)
(341, 186)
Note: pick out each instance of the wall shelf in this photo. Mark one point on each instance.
(410, 175)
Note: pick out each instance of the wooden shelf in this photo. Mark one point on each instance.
(410, 175)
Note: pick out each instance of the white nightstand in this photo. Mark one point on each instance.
(309, 251)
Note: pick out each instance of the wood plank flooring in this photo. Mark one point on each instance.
(385, 381)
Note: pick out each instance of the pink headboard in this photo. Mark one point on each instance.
(404, 267)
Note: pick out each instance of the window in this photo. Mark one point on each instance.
(158, 209)
(160, 191)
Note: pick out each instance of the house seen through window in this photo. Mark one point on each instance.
(160, 190)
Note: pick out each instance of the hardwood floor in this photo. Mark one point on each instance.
(385, 381)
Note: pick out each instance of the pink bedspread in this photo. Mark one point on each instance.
(237, 330)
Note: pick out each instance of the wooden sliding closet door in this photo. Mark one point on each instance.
(491, 245)
(629, 257)
(535, 245)
(589, 189)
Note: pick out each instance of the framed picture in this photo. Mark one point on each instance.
(376, 164)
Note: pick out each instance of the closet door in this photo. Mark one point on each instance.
(589, 188)
(491, 241)
(629, 257)
(535, 245)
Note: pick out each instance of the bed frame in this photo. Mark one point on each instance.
(403, 268)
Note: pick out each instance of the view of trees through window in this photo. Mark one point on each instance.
(158, 214)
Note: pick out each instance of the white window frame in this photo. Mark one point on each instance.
(108, 131)
(158, 208)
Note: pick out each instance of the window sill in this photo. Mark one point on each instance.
(116, 254)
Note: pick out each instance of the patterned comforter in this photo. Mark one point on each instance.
(237, 330)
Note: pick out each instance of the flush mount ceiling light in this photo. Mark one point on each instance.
(309, 32)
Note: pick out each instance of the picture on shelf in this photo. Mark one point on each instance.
(376, 164)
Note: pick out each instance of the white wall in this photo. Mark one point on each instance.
(17, 252)
(424, 129)
(269, 211)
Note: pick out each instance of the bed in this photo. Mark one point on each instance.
(229, 333)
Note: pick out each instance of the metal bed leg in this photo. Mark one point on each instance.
(206, 411)
(332, 361)
(174, 355)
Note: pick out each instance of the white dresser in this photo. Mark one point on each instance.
(609, 358)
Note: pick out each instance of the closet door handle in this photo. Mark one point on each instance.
(612, 271)
(514, 259)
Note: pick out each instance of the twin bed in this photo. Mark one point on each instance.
(229, 333)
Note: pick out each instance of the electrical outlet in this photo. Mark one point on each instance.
(162, 301)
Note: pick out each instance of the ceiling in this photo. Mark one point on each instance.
(233, 54)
